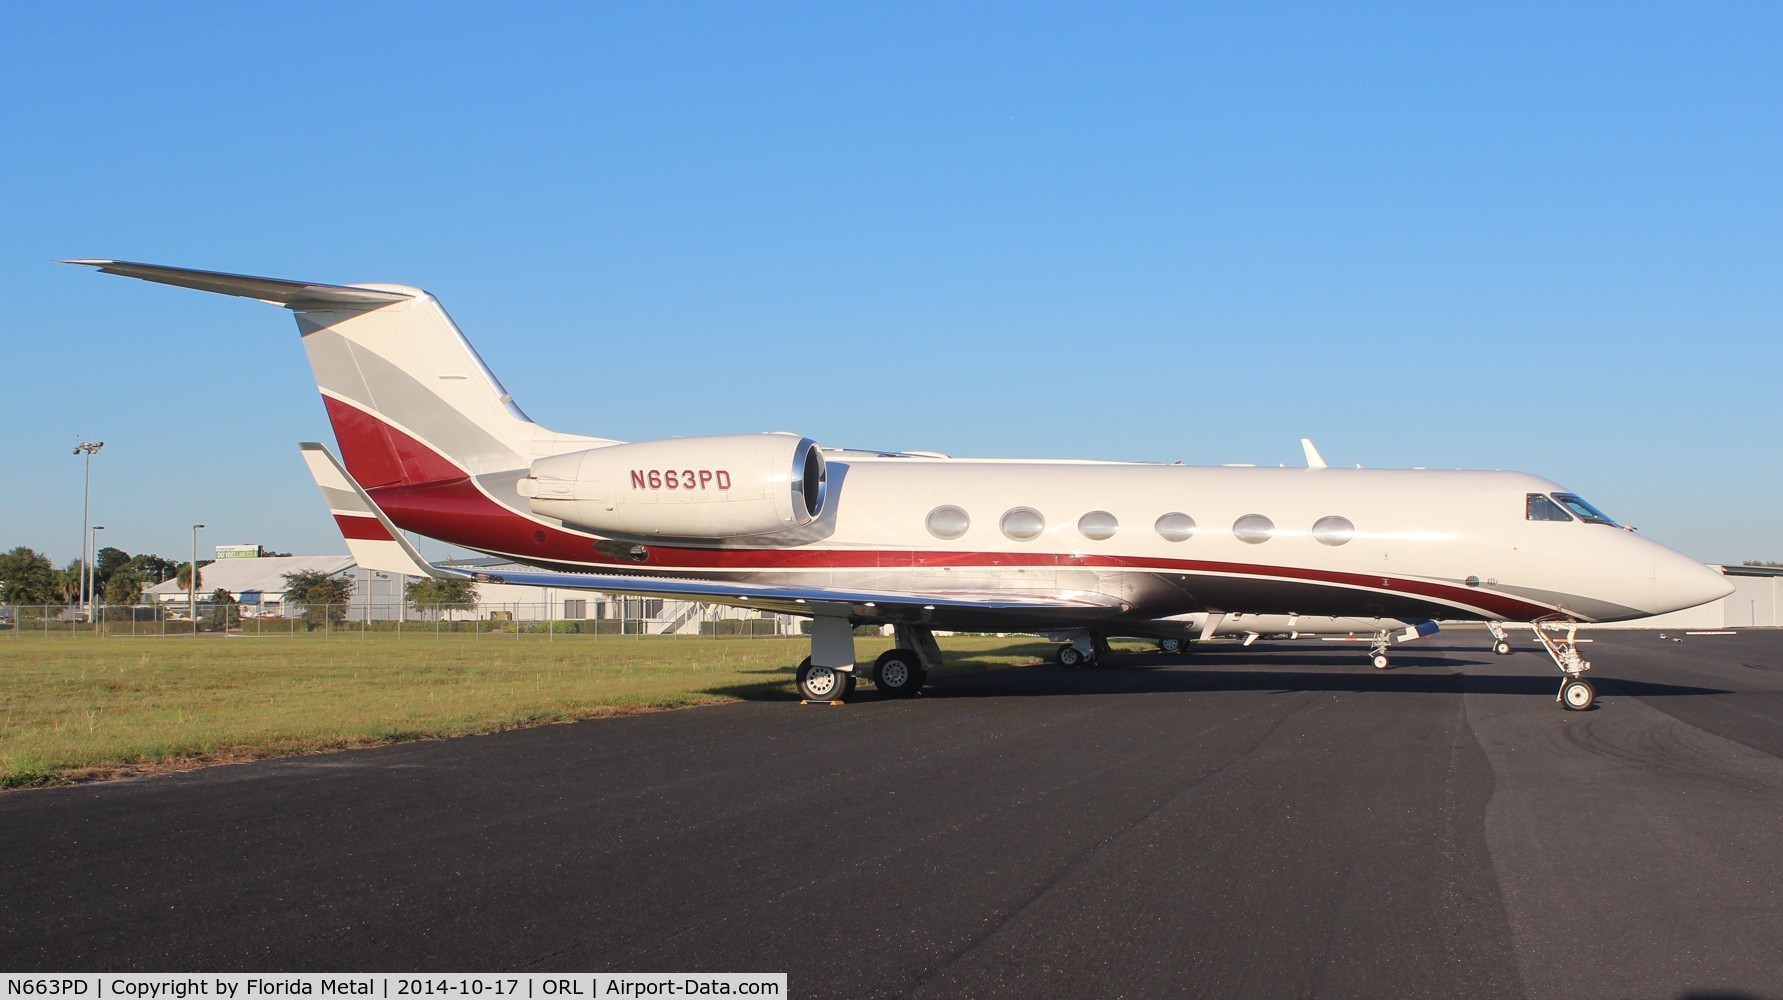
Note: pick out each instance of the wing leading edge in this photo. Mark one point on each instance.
(962, 609)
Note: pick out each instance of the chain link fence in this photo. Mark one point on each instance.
(514, 621)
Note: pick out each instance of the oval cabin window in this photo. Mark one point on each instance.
(1333, 530)
(1023, 524)
(948, 523)
(1253, 529)
(1175, 527)
(1098, 524)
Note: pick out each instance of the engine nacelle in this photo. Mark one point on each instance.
(701, 487)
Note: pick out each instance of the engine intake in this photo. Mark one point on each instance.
(727, 486)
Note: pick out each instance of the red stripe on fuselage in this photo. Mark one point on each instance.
(458, 512)
(448, 506)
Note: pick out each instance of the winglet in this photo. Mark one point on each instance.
(1314, 460)
(374, 542)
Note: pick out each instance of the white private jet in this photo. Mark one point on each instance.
(431, 443)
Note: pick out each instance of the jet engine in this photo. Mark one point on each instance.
(726, 486)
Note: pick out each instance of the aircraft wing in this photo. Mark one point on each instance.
(881, 605)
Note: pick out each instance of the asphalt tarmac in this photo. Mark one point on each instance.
(1277, 821)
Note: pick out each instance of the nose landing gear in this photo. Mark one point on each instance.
(1576, 693)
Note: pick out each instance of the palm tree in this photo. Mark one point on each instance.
(66, 582)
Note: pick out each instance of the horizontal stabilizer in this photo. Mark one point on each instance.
(374, 542)
(296, 295)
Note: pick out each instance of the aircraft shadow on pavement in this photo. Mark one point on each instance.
(1048, 682)
(1436, 670)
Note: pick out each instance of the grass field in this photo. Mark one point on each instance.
(79, 710)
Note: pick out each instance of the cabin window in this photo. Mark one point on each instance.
(948, 522)
(1333, 530)
(1098, 524)
(1543, 509)
(1582, 510)
(1253, 529)
(1175, 527)
(1023, 524)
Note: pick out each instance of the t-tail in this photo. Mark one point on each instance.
(410, 400)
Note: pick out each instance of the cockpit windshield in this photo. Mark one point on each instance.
(1582, 510)
(1542, 509)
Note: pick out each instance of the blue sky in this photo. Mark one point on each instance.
(1541, 237)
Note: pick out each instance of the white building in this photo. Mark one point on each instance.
(258, 584)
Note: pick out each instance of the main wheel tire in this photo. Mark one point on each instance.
(1070, 657)
(1170, 646)
(1380, 661)
(822, 683)
(898, 673)
(1502, 648)
(1577, 695)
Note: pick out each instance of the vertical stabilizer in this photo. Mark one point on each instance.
(410, 400)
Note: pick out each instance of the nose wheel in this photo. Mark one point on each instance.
(1577, 694)
(1561, 640)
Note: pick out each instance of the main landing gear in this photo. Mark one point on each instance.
(1576, 693)
(824, 683)
(1084, 650)
(828, 674)
(899, 673)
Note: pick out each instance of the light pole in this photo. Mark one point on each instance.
(89, 449)
(93, 574)
(192, 582)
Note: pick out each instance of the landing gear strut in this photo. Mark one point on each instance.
(1500, 645)
(827, 675)
(1377, 653)
(1576, 693)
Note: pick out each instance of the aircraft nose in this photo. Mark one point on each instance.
(1680, 582)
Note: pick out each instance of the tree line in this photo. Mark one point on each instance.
(27, 577)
